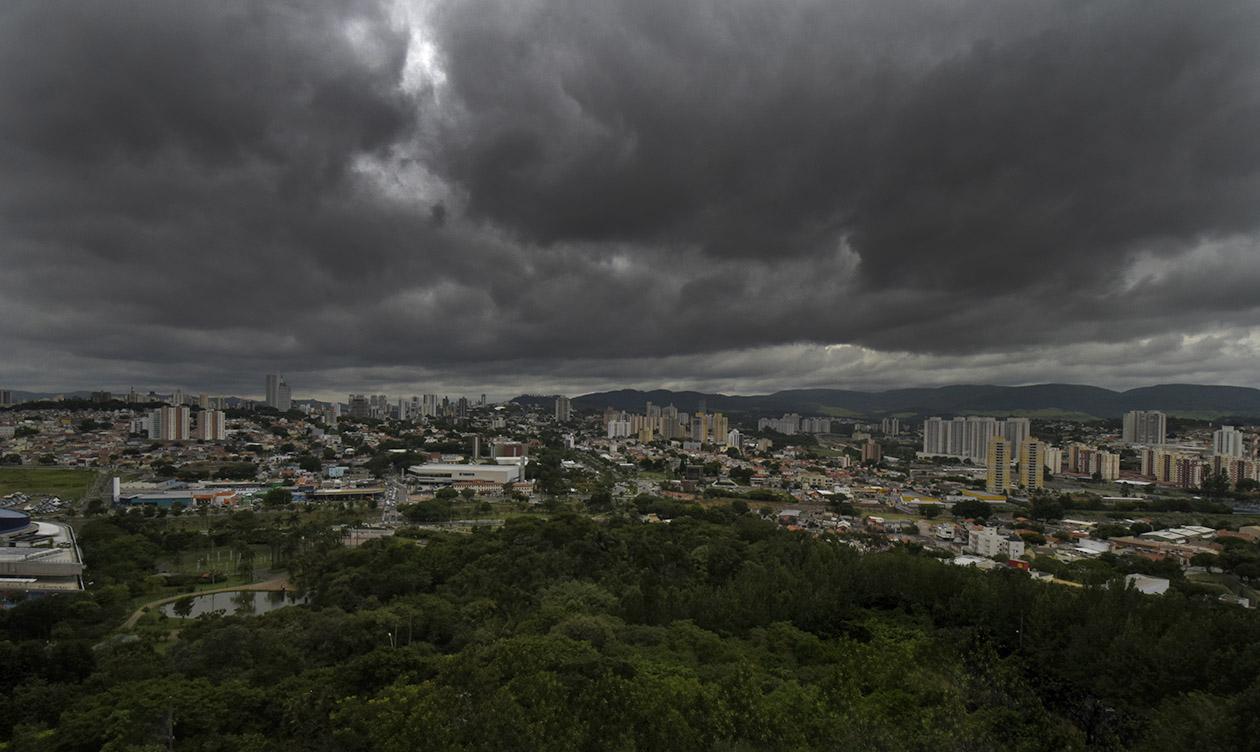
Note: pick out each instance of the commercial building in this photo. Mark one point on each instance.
(37, 557)
(1148, 427)
(444, 474)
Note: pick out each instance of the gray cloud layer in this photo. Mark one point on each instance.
(607, 192)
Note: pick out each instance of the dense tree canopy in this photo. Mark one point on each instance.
(715, 631)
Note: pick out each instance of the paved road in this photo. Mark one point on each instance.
(276, 585)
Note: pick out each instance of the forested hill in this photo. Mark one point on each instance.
(716, 632)
(1050, 399)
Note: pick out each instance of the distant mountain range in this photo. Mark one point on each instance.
(1045, 400)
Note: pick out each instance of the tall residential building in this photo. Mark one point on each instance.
(998, 462)
(890, 426)
(6, 397)
(1016, 430)
(1032, 463)
(956, 439)
(935, 436)
(170, 423)
(789, 424)
(211, 425)
(719, 426)
(700, 428)
(563, 409)
(980, 429)
(872, 451)
(1148, 427)
(1227, 441)
(1053, 459)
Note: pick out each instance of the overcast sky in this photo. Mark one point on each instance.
(570, 195)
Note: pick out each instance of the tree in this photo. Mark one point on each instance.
(277, 497)
(446, 494)
(1215, 484)
(309, 463)
(972, 509)
(1045, 508)
(183, 606)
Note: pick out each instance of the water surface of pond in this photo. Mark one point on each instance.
(241, 602)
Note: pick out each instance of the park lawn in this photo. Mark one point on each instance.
(46, 481)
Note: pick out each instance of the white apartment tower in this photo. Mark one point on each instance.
(1227, 441)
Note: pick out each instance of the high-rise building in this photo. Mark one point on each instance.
(733, 438)
(980, 428)
(789, 424)
(1053, 459)
(563, 409)
(720, 425)
(699, 428)
(890, 426)
(203, 401)
(278, 395)
(211, 425)
(1148, 427)
(6, 397)
(273, 386)
(998, 479)
(1227, 441)
(170, 423)
(358, 406)
(1016, 430)
(956, 439)
(872, 451)
(1031, 463)
(935, 436)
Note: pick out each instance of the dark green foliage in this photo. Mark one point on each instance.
(716, 631)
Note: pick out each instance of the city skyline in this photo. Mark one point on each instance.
(375, 211)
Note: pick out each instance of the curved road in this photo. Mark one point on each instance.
(276, 585)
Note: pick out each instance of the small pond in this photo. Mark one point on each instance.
(241, 602)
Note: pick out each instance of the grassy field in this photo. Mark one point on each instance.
(45, 481)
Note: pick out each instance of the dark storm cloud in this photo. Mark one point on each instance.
(946, 158)
(691, 193)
